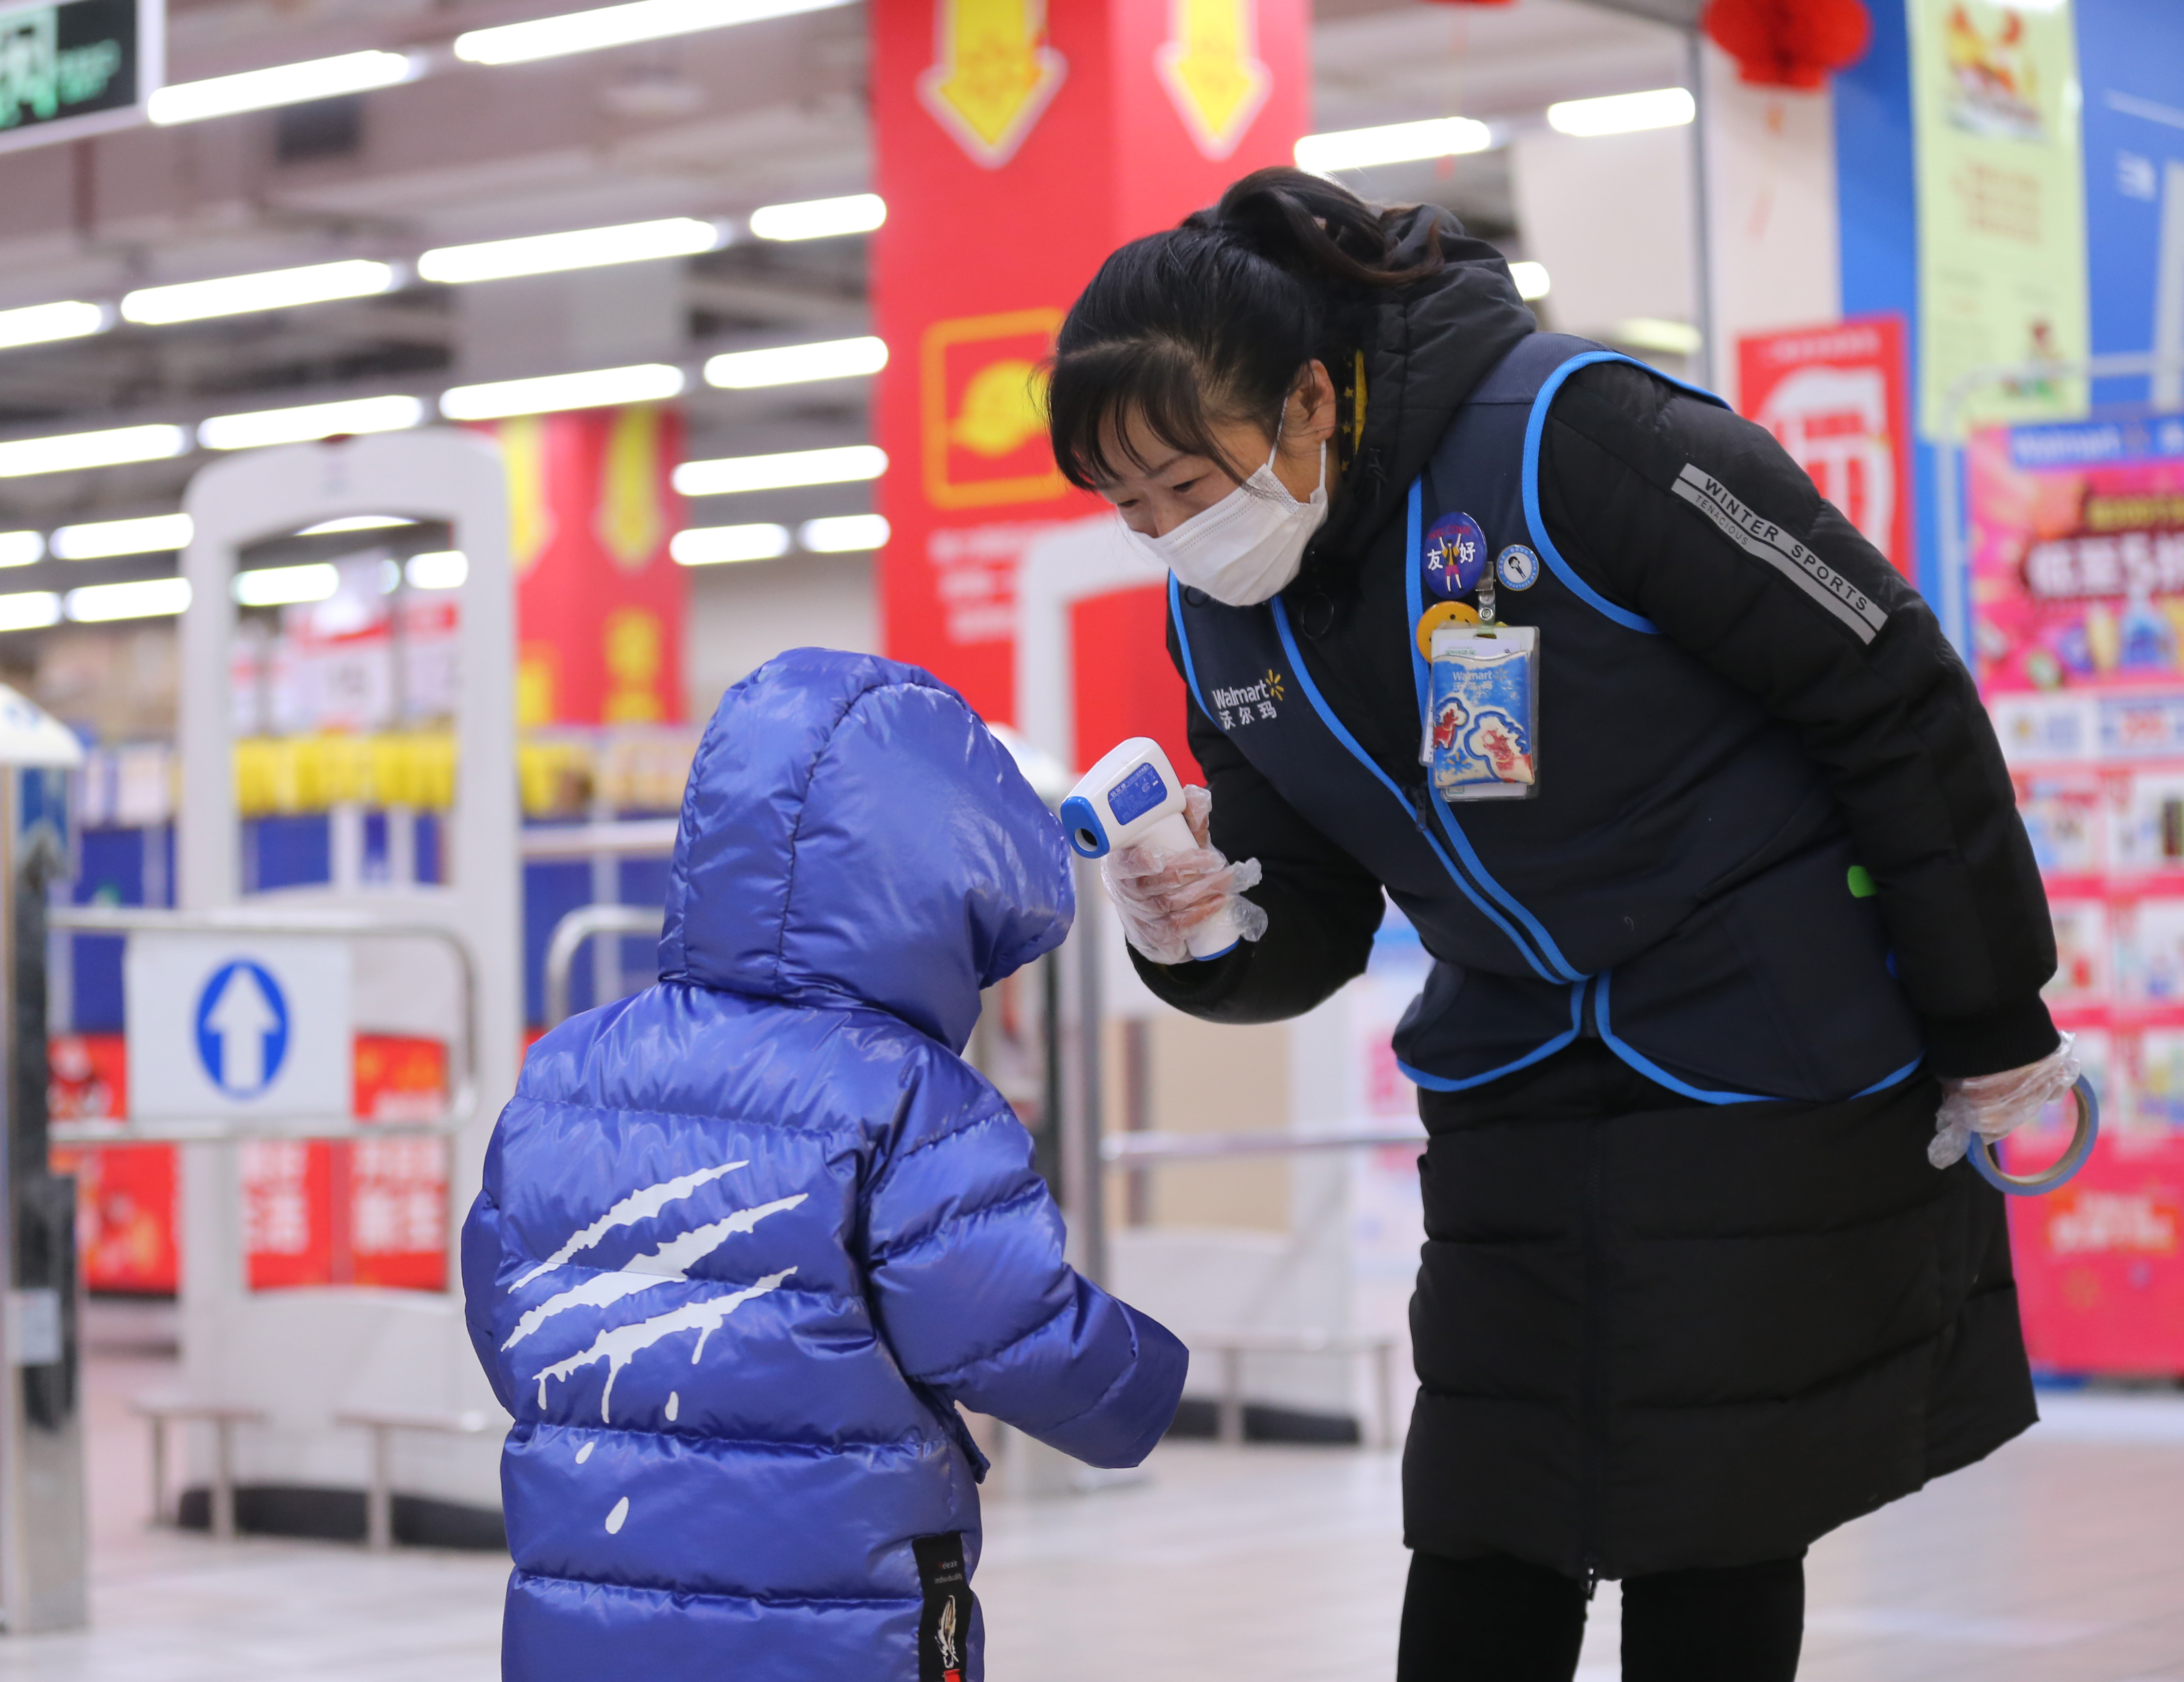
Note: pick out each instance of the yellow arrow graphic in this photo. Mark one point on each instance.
(994, 74)
(1211, 68)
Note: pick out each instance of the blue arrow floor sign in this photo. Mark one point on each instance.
(242, 1028)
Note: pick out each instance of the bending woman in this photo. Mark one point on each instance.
(1724, 887)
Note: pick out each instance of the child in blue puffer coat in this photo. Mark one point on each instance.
(747, 1237)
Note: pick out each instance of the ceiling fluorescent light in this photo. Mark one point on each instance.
(499, 259)
(1531, 279)
(843, 533)
(356, 522)
(603, 388)
(20, 549)
(30, 610)
(191, 101)
(791, 364)
(145, 599)
(1659, 108)
(311, 421)
(153, 534)
(820, 218)
(73, 450)
(438, 570)
(274, 289)
(43, 323)
(711, 545)
(278, 586)
(1663, 338)
(842, 467)
(618, 26)
(1392, 143)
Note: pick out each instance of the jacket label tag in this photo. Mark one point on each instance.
(944, 1627)
(1757, 535)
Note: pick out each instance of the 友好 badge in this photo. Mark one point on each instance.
(1518, 567)
(1454, 556)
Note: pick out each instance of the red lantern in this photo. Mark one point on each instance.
(1789, 44)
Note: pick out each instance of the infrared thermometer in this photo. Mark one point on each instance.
(1134, 797)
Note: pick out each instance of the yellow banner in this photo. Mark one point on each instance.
(993, 74)
(2001, 209)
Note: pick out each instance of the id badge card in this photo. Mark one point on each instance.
(1482, 714)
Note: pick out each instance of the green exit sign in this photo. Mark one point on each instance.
(70, 68)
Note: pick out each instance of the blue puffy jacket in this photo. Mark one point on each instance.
(747, 1237)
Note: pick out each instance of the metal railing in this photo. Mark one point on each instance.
(463, 1097)
(1143, 1150)
(585, 923)
(621, 838)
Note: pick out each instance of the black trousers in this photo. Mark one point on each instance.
(1497, 1620)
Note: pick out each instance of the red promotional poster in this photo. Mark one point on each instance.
(2077, 599)
(598, 601)
(1016, 143)
(1838, 397)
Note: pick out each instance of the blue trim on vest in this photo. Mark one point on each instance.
(1414, 597)
(1535, 429)
(1341, 733)
(1652, 1071)
(1902, 1074)
(1183, 642)
(1413, 592)
(1442, 1084)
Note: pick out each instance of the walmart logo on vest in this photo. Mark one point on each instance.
(242, 1028)
(1259, 702)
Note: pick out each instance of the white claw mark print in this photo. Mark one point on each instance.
(668, 1264)
(638, 1206)
(672, 1261)
(584, 1453)
(618, 1517)
(619, 1345)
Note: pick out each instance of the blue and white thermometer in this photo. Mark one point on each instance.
(1134, 797)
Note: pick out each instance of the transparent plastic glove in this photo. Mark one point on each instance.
(1995, 1106)
(1161, 896)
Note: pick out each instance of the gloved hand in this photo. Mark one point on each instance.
(1162, 895)
(1993, 1105)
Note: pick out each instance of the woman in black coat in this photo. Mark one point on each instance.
(1723, 908)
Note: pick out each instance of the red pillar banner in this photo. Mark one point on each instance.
(1017, 148)
(599, 604)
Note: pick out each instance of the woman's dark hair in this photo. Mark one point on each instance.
(1215, 319)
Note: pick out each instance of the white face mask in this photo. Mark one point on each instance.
(1247, 547)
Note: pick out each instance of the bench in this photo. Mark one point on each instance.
(224, 1417)
(383, 1422)
(1233, 1346)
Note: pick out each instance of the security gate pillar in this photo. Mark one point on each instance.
(42, 1540)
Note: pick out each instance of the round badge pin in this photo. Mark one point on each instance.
(1518, 568)
(1440, 614)
(1454, 556)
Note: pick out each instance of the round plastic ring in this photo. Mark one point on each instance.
(2031, 1185)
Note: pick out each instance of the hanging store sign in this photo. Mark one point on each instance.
(1835, 397)
(73, 68)
(2002, 209)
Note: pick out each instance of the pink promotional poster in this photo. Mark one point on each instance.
(2077, 599)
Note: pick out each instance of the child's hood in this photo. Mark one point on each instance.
(852, 833)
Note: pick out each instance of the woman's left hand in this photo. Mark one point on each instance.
(1995, 1106)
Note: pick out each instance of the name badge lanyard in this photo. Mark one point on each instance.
(1482, 718)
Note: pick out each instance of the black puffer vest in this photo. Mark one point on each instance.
(1682, 888)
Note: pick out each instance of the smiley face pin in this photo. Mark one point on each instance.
(1453, 557)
